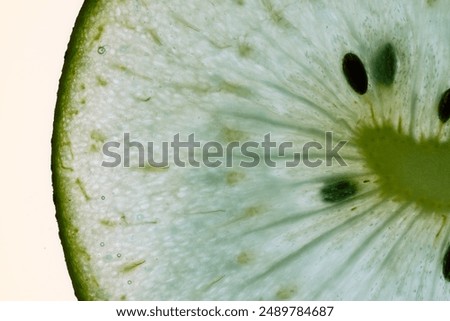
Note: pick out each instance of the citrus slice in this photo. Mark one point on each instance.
(255, 150)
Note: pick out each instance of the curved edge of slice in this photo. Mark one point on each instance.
(84, 284)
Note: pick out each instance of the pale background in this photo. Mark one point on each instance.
(33, 37)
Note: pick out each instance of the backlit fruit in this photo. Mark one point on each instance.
(364, 80)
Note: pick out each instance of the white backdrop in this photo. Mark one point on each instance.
(34, 36)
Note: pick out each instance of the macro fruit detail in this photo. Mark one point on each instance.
(372, 226)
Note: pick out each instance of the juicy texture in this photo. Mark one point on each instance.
(234, 71)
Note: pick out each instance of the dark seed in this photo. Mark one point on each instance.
(338, 191)
(444, 107)
(446, 265)
(355, 73)
(384, 65)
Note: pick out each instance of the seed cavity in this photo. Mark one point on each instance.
(444, 107)
(244, 258)
(233, 178)
(446, 265)
(286, 293)
(355, 73)
(338, 191)
(384, 65)
(129, 267)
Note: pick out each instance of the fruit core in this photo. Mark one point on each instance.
(408, 170)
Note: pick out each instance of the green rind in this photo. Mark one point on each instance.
(84, 284)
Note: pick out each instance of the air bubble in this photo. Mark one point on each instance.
(103, 198)
(119, 255)
(101, 50)
(102, 244)
(130, 282)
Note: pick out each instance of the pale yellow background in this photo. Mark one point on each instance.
(34, 35)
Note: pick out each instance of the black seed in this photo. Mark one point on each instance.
(384, 65)
(338, 191)
(446, 265)
(355, 73)
(444, 107)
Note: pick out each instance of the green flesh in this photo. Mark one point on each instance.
(409, 171)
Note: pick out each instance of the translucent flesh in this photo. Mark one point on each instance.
(235, 71)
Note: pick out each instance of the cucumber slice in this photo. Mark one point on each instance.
(367, 81)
